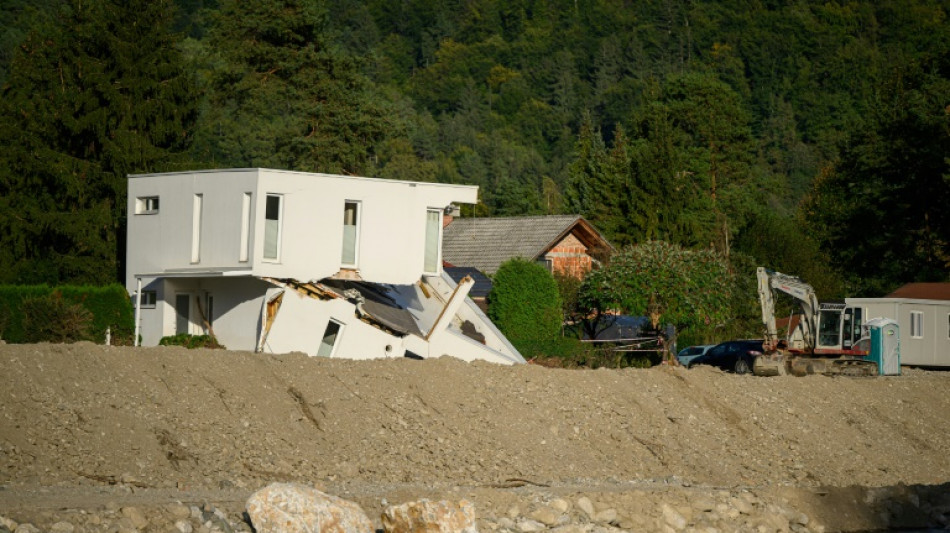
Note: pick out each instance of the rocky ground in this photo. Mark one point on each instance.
(97, 438)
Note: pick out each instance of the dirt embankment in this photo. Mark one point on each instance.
(84, 427)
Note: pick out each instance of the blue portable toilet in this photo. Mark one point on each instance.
(885, 348)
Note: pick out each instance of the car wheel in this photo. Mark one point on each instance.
(742, 366)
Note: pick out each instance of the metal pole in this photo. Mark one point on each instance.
(138, 310)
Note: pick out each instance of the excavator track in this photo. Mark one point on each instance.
(855, 367)
(798, 365)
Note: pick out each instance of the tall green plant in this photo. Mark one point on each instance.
(668, 284)
(524, 301)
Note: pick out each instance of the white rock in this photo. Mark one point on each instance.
(282, 507)
(62, 527)
(134, 514)
(530, 526)
(183, 526)
(546, 516)
(673, 518)
(584, 504)
(426, 516)
(606, 516)
(8, 523)
(560, 505)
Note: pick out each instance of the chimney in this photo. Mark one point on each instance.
(449, 214)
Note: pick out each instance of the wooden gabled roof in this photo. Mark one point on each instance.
(486, 243)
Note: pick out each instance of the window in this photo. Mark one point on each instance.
(196, 229)
(148, 299)
(245, 244)
(351, 233)
(547, 263)
(829, 328)
(948, 325)
(916, 325)
(433, 231)
(330, 337)
(272, 215)
(146, 205)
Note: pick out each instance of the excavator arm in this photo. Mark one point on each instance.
(770, 281)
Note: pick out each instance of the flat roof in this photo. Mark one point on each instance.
(301, 173)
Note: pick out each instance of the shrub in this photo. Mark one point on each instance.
(190, 341)
(109, 307)
(52, 319)
(524, 301)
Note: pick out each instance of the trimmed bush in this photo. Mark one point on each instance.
(110, 309)
(190, 341)
(524, 302)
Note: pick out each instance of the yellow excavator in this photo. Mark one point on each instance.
(825, 338)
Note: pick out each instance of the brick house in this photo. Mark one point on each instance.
(563, 243)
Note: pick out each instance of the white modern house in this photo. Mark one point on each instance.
(277, 261)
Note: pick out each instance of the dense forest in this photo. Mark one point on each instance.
(809, 136)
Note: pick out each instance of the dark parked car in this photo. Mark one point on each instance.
(734, 356)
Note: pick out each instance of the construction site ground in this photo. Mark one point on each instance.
(86, 430)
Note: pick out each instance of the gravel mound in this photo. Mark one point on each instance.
(94, 429)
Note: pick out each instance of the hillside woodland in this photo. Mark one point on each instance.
(811, 136)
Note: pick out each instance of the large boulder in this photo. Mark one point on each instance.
(426, 516)
(291, 507)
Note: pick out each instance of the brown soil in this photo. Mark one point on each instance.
(84, 427)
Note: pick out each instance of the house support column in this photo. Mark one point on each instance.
(452, 306)
(138, 310)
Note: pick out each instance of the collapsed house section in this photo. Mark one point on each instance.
(363, 320)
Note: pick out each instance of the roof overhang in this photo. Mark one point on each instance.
(197, 273)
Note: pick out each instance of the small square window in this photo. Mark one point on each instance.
(146, 205)
(149, 298)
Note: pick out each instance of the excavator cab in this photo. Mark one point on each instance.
(839, 327)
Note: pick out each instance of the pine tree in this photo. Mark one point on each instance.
(95, 93)
(284, 96)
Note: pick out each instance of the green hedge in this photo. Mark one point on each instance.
(110, 307)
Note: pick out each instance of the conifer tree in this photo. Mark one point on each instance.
(93, 94)
(284, 95)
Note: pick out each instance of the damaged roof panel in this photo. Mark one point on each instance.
(376, 302)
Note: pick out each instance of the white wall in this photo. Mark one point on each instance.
(933, 349)
(163, 241)
(392, 223)
(236, 312)
(301, 322)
